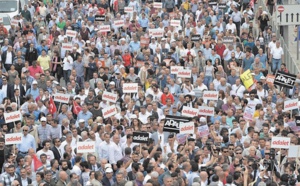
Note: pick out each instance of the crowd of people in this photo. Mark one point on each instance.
(63, 48)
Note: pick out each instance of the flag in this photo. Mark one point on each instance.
(76, 108)
(52, 107)
(36, 162)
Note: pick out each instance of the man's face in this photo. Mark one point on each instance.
(11, 171)
(23, 173)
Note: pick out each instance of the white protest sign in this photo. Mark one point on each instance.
(189, 111)
(119, 23)
(291, 104)
(62, 98)
(86, 146)
(130, 88)
(203, 131)
(206, 111)
(14, 22)
(294, 151)
(104, 28)
(15, 138)
(211, 95)
(12, 116)
(157, 5)
(67, 46)
(187, 128)
(248, 113)
(175, 23)
(108, 96)
(109, 111)
(156, 32)
(176, 69)
(128, 9)
(280, 142)
(71, 33)
(184, 73)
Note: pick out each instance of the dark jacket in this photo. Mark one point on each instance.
(29, 181)
(31, 56)
(4, 57)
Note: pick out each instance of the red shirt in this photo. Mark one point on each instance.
(164, 98)
(220, 50)
(127, 60)
(34, 71)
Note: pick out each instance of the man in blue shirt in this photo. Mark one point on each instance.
(134, 45)
(28, 142)
(42, 47)
(84, 114)
(248, 60)
(144, 22)
(34, 91)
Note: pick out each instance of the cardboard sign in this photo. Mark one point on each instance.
(14, 22)
(212, 2)
(86, 146)
(140, 137)
(184, 73)
(175, 23)
(99, 18)
(130, 88)
(270, 78)
(156, 32)
(172, 123)
(280, 142)
(109, 111)
(189, 112)
(144, 41)
(206, 111)
(62, 98)
(108, 96)
(15, 138)
(294, 151)
(247, 79)
(176, 69)
(172, 15)
(222, 5)
(291, 104)
(119, 23)
(104, 28)
(187, 128)
(297, 120)
(228, 40)
(203, 131)
(71, 33)
(128, 9)
(284, 79)
(12, 116)
(248, 113)
(157, 5)
(181, 138)
(67, 46)
(195, 37)
(211, 95)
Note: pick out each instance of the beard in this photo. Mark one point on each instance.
(65, 168)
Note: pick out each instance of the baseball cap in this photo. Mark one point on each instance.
(108, 170)
(34, 82)
(43, 119)
(81, 121)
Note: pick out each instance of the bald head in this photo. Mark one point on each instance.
(63, 175)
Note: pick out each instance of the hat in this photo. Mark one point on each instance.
(81, 121)
(43, 119)
(252, 74)
(42, 28)
(74, 48)
(34, 82)
(262, 77)
(202, 119)
(152, 37)
(163, 39)
(88, 41)
(79, 17)
(264, 12)
(55, 82)
(108, 170)
(112, 83)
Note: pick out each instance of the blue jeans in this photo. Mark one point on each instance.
(276, 63)
(67, 74)
(208, 80)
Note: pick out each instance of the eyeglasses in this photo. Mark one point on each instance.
(267, 154)
(25, 130)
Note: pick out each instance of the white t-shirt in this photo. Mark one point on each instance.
(277, 52)
(49, 153)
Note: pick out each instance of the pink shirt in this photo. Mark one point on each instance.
(33, 70)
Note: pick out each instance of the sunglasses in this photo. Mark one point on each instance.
(267, 154)
(25, 130)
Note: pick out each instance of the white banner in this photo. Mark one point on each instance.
(62, 98)
(206, 111)
(294, 151)
(104, 28)
(86, 146)
(176, 69)
(130, 88)
(15, 138)
(12, 116)
(67, 46)
(128, 9)
(184, 73)
(189, 112)
(71, 33)
(109, 111)
(157, 5)
(211, 95)
(156, 32)
(119, 23)
(291, 104)
(14, 22)
(108, 96)
(280, 142)
(175, 22)
(187, 128)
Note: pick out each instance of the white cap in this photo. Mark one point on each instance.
(112, 83)
(109, 170)
(81, 121)
(43, 119)
(34, 82)
(202, 119)
(107, 166)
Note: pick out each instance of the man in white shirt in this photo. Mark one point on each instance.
(104, 147)
(238, 89)
(276, 56)
(115, 152)
(46, 144)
